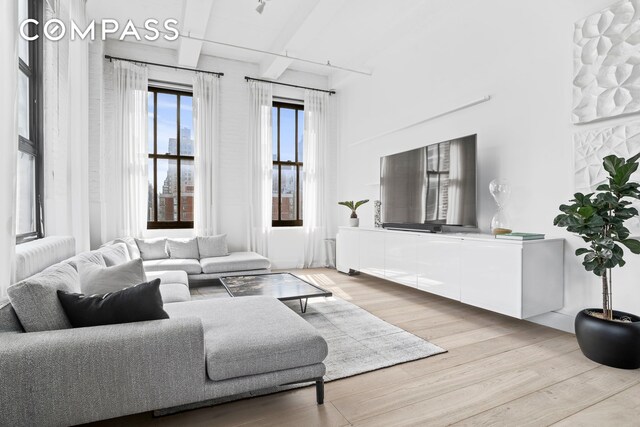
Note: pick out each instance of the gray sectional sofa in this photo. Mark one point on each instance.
(200, 267)
(207, 349)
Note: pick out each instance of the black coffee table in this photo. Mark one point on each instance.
(284, 286)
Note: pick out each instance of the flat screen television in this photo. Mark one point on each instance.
(431, 186)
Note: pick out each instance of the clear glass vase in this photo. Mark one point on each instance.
(501, 192)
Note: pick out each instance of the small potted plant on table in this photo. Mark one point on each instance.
(605, 335)
(354, 221)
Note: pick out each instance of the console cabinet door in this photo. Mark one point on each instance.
(347, 250)
(439, 266)
(491, 276)
(372, 253)
(400, 258)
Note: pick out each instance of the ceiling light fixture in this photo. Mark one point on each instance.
(260, 7)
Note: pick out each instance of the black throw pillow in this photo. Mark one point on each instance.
(134, 304)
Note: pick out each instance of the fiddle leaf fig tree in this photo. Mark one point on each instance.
(353, 206)
(599, 218)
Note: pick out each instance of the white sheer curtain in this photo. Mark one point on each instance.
(124, 179)
(260, 166)
(66, 129)
(9, 139)
(315, 206)
(206, 114)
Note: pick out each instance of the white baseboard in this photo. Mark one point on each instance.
(561, 321)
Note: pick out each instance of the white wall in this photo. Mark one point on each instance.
(287, 243)
(518, 52)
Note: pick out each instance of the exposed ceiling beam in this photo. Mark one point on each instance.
(273, 67)
(195, 18)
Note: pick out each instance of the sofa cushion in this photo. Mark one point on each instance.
(212, 246)
(252, 335)
(235, 261)
(115, 254)
(134, 304)
(35, 299)
(8, 319)
(152, 248)
(132, 246)
(183, 248)
(95, 279)
(170, 276)
(174, 292)
(190, 266)
(93, 257)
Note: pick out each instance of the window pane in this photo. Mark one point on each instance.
(150, 130)
(287, 135)
(152, 195)
(186, 126)
(167, 110)
(300, 135)
(167, 189)
(288, 193)
(274, 132)
(26, 187)
(23, 45)
(186, 190)
(23, 105)
(274, 194)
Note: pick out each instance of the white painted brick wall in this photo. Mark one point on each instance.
(286, 247)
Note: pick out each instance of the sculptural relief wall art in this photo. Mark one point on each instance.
(607, 63)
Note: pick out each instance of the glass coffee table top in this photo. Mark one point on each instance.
(284, 286)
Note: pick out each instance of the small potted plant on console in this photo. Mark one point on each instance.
(354, 221)
(605, 335)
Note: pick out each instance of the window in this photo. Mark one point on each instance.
(288, 129)
(29, 170)
(171, 167)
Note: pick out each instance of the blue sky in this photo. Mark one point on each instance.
(167, 125)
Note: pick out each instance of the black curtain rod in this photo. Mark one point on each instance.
(330, 92)
(111, 58)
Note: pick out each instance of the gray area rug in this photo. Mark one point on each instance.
(358, 341)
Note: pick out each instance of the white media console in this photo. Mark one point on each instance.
(515, 278)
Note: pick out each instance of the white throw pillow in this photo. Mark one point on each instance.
(95, 279)
(212, 246)
(183, 248)
(153, 248)
(115, 254)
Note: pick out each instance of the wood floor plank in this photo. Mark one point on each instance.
(456, 405)
(391, 397)
(556, 402)
(622, 409)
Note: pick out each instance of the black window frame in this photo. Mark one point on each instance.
(297, 163)
(33, 145)
(155, 156)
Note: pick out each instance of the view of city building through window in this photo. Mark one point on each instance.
(288, 130)
(171, 161)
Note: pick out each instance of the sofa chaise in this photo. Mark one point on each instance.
(207, 349)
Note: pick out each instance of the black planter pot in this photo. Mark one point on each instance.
(610, 343)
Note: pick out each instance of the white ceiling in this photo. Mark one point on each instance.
(349, 33)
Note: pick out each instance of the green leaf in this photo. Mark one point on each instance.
(360, 203)
(586, 211)
(582, 251)
(612, 163)
(632, 244)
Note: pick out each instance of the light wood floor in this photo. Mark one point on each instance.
(498, 371)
